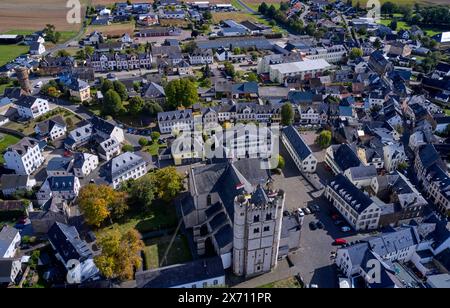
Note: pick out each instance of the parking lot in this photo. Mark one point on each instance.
(313, 260)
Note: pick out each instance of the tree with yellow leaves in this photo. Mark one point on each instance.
(120, 254)
(99, 202)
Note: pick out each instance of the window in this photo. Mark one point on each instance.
(256, 230)
(208, 200)
(266, 229)
(269, 216)
(216, 282)
(256, 218)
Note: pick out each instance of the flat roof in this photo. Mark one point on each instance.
(8, 36)
(301, 66)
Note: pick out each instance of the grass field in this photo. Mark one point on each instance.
(10, 52)
(241, 16)
(405, 2)
(401, 25)
(5, 142)
(156, 248)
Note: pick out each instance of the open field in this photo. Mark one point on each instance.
(10, 52)
(156, 248)
(113, 29)
(5, 142)
(241, 16)
(405, 2)
(34, 15)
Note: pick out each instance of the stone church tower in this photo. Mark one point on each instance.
(257, 231)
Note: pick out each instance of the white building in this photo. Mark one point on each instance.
(300, 152)
(125, 167)
(53, 128)
(306, 69)
(394, 154)
(181, 120)
(30, 107)
(84, 164)
(61, 187)
(201, 57)
(333, 54)
(357, 208)
(24, 157)
(9, 242)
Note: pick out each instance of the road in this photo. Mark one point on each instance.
(249, 9)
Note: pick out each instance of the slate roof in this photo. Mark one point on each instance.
(67, 242)
(297, 142)
(61, 183)
(12, 181)
(363, 172)
(23, 145)
(175, 115)
(59, 164)
(123, 163)
(358, 200)
(26, 101)
(245, 88)
(7, 235)
(181, 274)
(345, 157)
(154, 90)
(46, 126)
(428, 155)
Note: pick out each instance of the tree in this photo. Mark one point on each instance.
(62, 53)
(189, 47)
(281, 162)
(356, 53)
(120, 254)
(99, 202)
(168, 183)
(121, 89)
(324, 139)
(377, 44)
(135, 105)
(106, 86)
(153, 108)
(181, 92)
(155, 136)
(143, 142)
(142, 192)
(263, 8)
(393, 25)
(229, 69)
(127, 148)
(252, 77)
(287, 114)
(207, 15)
(89, 50)
(112, 103)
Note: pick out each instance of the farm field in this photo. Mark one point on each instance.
(113, 29)
(403, 2)
(241, 16)
(10, 52)
(34, 15)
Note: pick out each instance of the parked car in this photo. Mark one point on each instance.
(312, 226)
(300, 212)
(346, 229)
(316, 208)
(319, 225)
(307, 211)
(335, 216)
(339, 241)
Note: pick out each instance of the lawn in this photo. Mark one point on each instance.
(241, 16)
(156, 248)
(153, 149)
(10, 52)
(113, 30)
(161, 216)
(5, 142)
(4, 86)
(447, 112)
(28, 128)
(282, 284)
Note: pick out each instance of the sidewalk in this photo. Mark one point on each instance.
(282, 271)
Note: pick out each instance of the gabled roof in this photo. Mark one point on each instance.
(345, 157)
(7, 235)
(358, 200)
(23, 145)
(297, 142)
(26, 101)
(67, 243)
(181, 274)
(245, 88)
(428, 155)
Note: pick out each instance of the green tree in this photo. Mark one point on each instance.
(112, 103)
(127, 148)
(106, 86)
(181, 92)
(324, 139)
(135, 105)
(121, 89)
(143, 142)
(153, 108)
(393, 25)
(287, 114)
(142, 192)
(168, 183)
(263, 8)
(356, 53)
(281, 162)
(229, 69)
(155, 136)
(62, 53)
(252, 77)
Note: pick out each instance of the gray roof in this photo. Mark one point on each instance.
(6, 266)
(12, 181)
(358, 200)
(23, 145)
(59, 164)
(181, 274)
(123, 163)
(363, 172)
(46, 126)
(297, 142)
(154, 90)
(345, 157)
(7, 236)
(26, 101)
(61, 183)
(68, 244)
